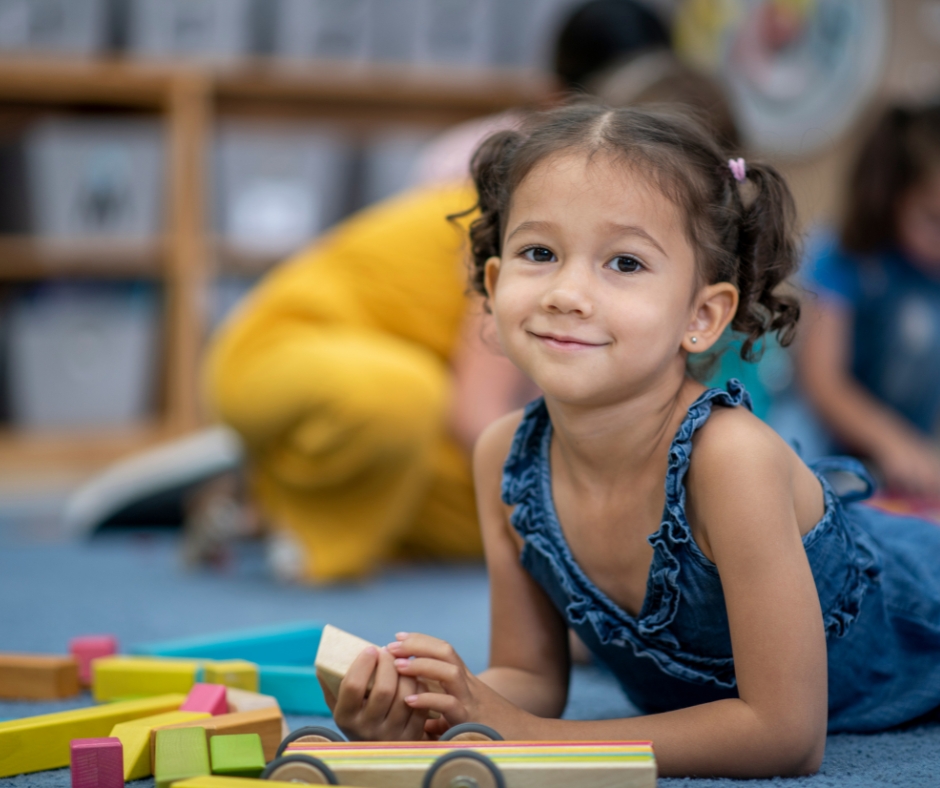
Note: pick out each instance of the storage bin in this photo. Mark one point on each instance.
(203, 29)
(82, 355)
(455, 31)
(389, 159)
(94, 178)
(328, 29)
(526, 30)
(74, 27)
(277, 186)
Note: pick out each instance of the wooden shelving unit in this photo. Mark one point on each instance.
(190, 98)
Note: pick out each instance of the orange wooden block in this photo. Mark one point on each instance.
(38, 677)
(265, 722)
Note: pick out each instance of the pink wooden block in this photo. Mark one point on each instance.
(97, 763)
(89, 647)
(206, 697)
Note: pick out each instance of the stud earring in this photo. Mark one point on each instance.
(694, 340)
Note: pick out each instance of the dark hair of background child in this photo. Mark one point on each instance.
(900, 153)
(602, 32)
(741, 233)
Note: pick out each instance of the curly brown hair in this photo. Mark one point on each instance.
(741, 233)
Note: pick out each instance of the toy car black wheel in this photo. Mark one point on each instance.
(299, 769)
(471, 731)
(463, 769)
(311, 733)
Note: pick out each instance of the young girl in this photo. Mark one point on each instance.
(744, 602)
(870, 363)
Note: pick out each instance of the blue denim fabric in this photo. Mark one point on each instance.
(877, 575)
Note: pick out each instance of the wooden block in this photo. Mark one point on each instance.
(238, 673)
(116, 677)
(265, 722)
(238, 755)
(243, 700)
(338, 650)
(181, 753)
(540, 764)
(135, 736)
(96, 763)
(89, 647)
(206, 697)
(281, 644)
(32, 744)
(38, 677)
(296, 689)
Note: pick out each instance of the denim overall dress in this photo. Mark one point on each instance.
(877, 576)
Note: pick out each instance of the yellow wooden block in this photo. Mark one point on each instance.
(238, 673)
(32, 744)
(135, 737)
(116, 677)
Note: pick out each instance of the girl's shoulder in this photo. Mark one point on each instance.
(491, 452)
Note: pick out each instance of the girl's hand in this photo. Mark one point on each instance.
(466, 698)
(378, 713)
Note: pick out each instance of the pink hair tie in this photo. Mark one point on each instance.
(738, 169)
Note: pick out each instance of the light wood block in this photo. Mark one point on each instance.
(32, 744)
(38, 677)
(122, 677)
(541, 764)
(243, 700)
(265, 722)
(338, 650)
(238, 755)
(89, 647)
(135, 737)
(96, 763)
(181, 753)
(206, 697)
(238, 673)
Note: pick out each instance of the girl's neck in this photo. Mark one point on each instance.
(607, 444)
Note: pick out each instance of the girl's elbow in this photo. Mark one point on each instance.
(802, 754)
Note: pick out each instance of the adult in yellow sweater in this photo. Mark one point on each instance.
(357, 375)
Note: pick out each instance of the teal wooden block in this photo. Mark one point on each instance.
(237, 755)
(281, 644)
(180, 753)
(296, 689)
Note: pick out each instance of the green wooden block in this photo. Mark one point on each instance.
(181, 753)
(237, 755)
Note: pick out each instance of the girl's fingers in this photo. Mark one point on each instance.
(352, 689)
(446, 705)
(417, 645)
(384, 688)
(446, 673)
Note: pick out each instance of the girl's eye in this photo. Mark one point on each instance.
(539, 254)
(625, 264)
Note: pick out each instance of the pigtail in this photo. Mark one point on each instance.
(489, 168)
(882, 171)
(767, 255)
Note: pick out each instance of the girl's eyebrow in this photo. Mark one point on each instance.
(639, 232)
(531, 225)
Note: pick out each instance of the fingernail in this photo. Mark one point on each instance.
(402, 663)
(401, 635)
(371, 650)
(394, 646)
(411, 698)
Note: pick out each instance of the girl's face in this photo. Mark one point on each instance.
(919, 224)
(595, 292)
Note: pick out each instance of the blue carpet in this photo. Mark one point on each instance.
(132, 585)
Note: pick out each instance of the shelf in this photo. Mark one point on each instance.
(88, 449)
(24, 258)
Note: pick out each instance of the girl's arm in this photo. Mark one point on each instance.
(861, 421)
(742, 484)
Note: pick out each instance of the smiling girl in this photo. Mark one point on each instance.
(745, 602)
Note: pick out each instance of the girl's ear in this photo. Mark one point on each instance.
(490, 275)
(714, 308)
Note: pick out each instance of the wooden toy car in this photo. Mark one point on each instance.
(468, 756)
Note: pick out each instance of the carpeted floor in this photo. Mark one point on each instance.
(132, 585)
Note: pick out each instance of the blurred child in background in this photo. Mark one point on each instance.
(870, 357)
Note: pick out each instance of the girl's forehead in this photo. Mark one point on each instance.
(604, 183)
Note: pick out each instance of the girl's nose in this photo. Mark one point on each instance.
(569, 291)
